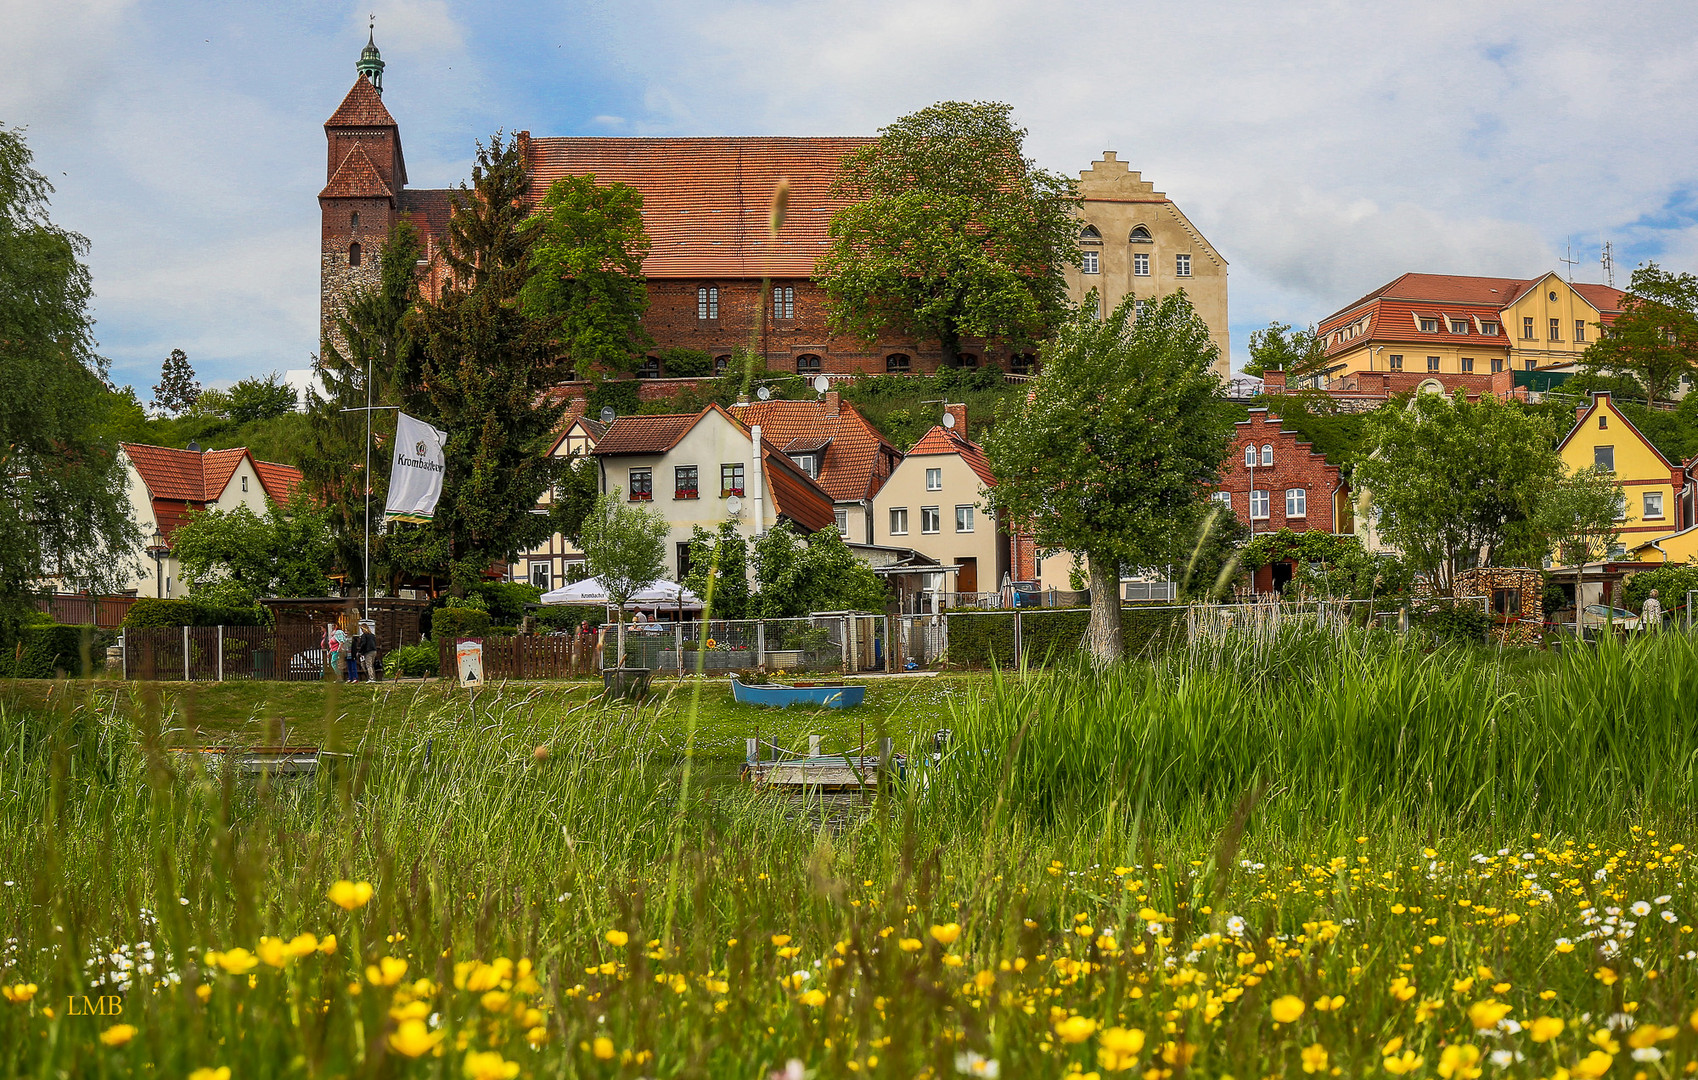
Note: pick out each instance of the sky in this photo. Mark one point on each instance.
(1322, 147)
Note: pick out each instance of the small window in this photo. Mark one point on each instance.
(1527, 328)
(1090, 232)
(1224, 498)
(244, 484)
(1429, 326)
(707, 302)
(1556, 329)
(1259, 505)
(731, 480)
(784, 302)
(897, 363)
(1553, 296)
(963, 519)
(354, 220)
(1490, 329)
(1603, 458)
(354, 253)
(899, 521)
(650, 368)
(1021, 363)
(808, 364)
(642, 485)
(1603, 421)
(1530, 363)
(1249, 457)
(1141, 264)
(1497, 364)
(1182, 265)
(1140, 235)
(1653, 504)
(1088, 262)
(842, 519)
(930, 520)
(967, 361)
(1506, 602)
(1396, 361)
(721, 364)
(808, 463)
(1459, 326)
(934, 479)
(539, 575)
(1468, 365)
(1296, 502)
(1579, 329)
(684, 484)
(1432, 363)
(1267, 455)
(1138, 309)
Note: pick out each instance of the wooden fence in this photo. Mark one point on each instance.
(552, 657)
(78, 609)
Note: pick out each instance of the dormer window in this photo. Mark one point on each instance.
(1140, 235)
(354, 253)
(1490, 329)
(1459, 326)
(808, 463)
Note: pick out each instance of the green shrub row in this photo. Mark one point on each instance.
(979, 639)
(411, 661)
(152, 612)
(43, 650)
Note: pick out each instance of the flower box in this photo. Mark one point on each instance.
(688, 493)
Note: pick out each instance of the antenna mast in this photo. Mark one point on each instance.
(1570, 260)
(1608, 259)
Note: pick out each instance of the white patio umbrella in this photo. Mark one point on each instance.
(590, 592)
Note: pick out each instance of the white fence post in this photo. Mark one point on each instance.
(185, 654)
(846, 645)
(760, 643)
(220, 652)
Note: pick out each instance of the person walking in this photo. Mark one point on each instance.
(365, 647)
(1651, 615)
(335, 649)
(349, 629)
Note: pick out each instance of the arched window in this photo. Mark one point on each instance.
(1140, 235)
(1267, 454)
(808, 364)
(1249, 457)
(354, 253)
(720, 364)
(784, 302)
(968, 360)
(707, 302)
(897, 363)
(1022, 363)
(354, 220)
(650, 368)
(1090, 232)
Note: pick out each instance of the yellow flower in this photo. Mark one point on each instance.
(495, 1000)
(1545, 1028)
(603, 1048)
(1459, 1060)
(1649, 1035)
(1605, 975)
(909, 944)
(19, 993)
(617, 938)
(349, 895)
(118, 1034)
(1485, 1015)
(1436, 940)
(273, 952)
(489, 1065)
(1400, 989)
(813, 998)
(1315, 1058)
(204, 991)
(327, 944)
(1603, 1041)
(1287, 1009)
(1084, 930)
(1592, 1066)
(1075, 1029)
(1565, 946)
(220, 1073)
(946, 934)
(537, 1036)
(414, 1039)
(1462, 986)
(1404, 1065)
(237, 961)
(302, 945)
(1329, 1004)
(387, 971)
(1119, 1047)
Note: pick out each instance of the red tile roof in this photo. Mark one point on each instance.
(1605, 298)
(706, 201)
(645, 434)
(941, 440)
(429, 208)
(356, 178)
(1394, 310)
(363, 107)
(794, 493)
(279, 481)
(851, 467)
(181, 481)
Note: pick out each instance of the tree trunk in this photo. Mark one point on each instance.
(949, 343)
(1105, 641)
(619, 658)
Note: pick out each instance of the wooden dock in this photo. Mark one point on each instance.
(855, 773)
(257, 760)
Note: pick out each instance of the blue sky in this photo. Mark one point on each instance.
(1322, 147)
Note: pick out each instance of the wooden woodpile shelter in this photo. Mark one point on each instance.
(1515, 598)
(399, 622)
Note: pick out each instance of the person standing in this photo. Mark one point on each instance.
(1651, 615)
(336, 647)
(366, 648)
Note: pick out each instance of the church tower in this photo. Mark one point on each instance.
(364, 172)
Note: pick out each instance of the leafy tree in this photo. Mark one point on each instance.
(481, 375)
(1453, 480)
(261, 399)
(1112, 453)
(685, 363)
(1655, 338)
(1330, 566)
(1578, 516)
(64, 505)
(574, 497)
(234, 557)
(587, 254)
(1301, 354)
(719, 567)
(177, 388)
(819, 573)
(1211, 567)
(625, 548)
(1672, 582)
(951, 232)
(376, 331)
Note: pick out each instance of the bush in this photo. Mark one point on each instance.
(153, 612)
(618, 394)
(506, 600)
(567, 618)
(459, 622)
(979, 638)
(43, 650)
(411, 661)
(685, 363)
(1454, 621)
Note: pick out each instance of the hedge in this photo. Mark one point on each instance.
(45, 649)
(978, 639)
(459, 622)
(154, 612)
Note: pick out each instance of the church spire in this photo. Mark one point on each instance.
(371, 61)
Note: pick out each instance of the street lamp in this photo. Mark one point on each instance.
(158, 548)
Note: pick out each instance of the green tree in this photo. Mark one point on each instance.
(1301, 354)
(625, 549)
(1579, 518)
(719, 567)
(234, 557)
(261, 399)
(587, 253)
(1113, 452)
(819, 573)
(177, 388)
(1655, 338)
(1211, 567)
(950, 232)
(64, 504)
(1672, 582)
(482, 375)
(1453, 480)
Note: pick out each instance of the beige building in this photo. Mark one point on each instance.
(545, 565)
(934, 503)
(1135, 242)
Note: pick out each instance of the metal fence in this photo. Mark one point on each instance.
(223, 653)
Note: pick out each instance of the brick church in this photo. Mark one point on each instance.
(706, 207)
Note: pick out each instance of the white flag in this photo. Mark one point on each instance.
(415, 480)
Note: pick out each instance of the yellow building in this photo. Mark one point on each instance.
(1448, 325)
(1605, 439)
(1135, 242)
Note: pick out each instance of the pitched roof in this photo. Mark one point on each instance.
(850, 468)
(356, 177)
(188, 475)
(363, 107)
(1605, 298)
(1599, 400)
(278, 480)
(1481, 295)
(706, 201)
(794, 493)
(941, 440)
(645, 434)
(429, 209)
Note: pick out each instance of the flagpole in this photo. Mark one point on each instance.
(365, 574)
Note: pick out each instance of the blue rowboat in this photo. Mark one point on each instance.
(778, 696)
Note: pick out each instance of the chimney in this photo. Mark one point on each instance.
(960, 414)
(833, 402)
(1273, 382)
(1580, 412)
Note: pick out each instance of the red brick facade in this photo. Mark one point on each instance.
(1283, 463)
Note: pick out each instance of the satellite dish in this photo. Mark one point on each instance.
(763, 393)
(948, 419)
(607, 414)
(733, 506)
(821, 384)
